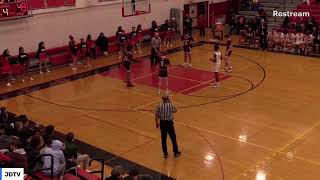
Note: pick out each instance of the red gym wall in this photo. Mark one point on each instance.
(55, 27)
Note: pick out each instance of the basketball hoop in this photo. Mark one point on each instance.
(135, 7)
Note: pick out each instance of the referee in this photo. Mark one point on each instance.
(164, 113)
(155, 49)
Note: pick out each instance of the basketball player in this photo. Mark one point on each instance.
(74, 52)
(163, 72)
(127, 59)
(24, 61)
(186, 39)
(6, 68)
(91, 47)
(140, 37)
(155, 49)
(134, 40)
(299, 43)
(43, 57)
(84, 52)
(123, 40)
(168, 33)
(227, 64)
(216, 59)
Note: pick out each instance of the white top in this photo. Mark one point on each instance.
(217, 57)
(299, 37)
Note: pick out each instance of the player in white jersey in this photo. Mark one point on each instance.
(308, 39)
(299, 41)
(216, 59)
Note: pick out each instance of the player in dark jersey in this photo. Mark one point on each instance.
(123, 40)
(126, 61)
(84, 52)
(24, 62)
(227, 59)
(186, 39)
(164, 63)
(74, 52)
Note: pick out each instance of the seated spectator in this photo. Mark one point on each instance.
(47, 145)
(117, 173)
(145, 177)
(133, 174)
(49, 132)
(103, 43)
(18, 127)
(33, 153)
(241, 23)
(17, 154)
(71, 152)
(4, 138)
(59, 162)
(25, 137)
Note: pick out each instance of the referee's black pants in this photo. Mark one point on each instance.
(167, 127)
(154, 56)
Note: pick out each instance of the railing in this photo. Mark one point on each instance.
(101, 171)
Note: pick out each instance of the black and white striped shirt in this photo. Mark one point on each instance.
(165, 111)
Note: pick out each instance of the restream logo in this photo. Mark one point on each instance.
(11, 174)
(290, 14)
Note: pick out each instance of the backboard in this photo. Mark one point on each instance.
(135, 7)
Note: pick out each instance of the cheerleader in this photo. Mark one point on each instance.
(168, 34)
(84, 52)
(43, 57)
(127, 59)
(186, 39)
(227, 65)
(216, 59)
(74, 52)
(140, 37)
(91, 45)
(6, 68)
(24, 62)
(163, 73)
(134, 40)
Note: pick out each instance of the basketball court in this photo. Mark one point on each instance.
(261, 123)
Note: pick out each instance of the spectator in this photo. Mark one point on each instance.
(103, 43)
(154, 28)
(133, 174)
(17, 154)
(48, 143)
(49, 132)
(4, 139)
(202, 25)
(187, 24)
(145, 177)
(316, 43)
(71, 152)
(18, 127)
(59, 162)
(241, 23)
(33, 153)
(25, 137)
(4, 118)
(232, 24)
(286, 23)
(117, 173)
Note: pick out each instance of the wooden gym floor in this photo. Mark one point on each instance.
(261, 123)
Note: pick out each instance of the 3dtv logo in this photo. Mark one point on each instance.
(11, 174)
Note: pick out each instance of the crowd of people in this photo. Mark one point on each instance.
(24, 144)
(294, 36)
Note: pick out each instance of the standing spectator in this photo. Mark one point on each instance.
(154, 28)
(164, 118)
(232, 24)
(59, 162)
(316, 43)
(187, 24)
(71, 152)
(286, 23)
(263, 33)
(103, 43)
(202, 25)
